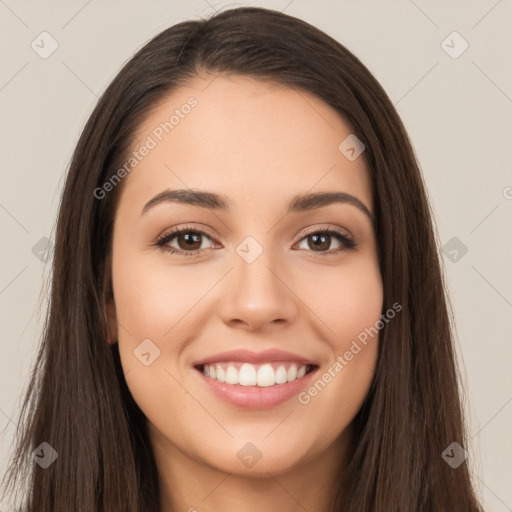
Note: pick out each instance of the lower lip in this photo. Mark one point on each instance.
(255, 397)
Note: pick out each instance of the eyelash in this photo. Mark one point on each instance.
(162, 241)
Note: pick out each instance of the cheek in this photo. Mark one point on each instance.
(160, 303)
(347, 300)
(151, 299)
(349, 303)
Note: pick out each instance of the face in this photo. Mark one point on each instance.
(249, 284)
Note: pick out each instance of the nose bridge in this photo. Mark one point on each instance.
(257, 294)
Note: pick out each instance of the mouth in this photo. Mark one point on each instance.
(276, 373)
(251, 380)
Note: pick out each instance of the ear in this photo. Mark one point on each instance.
(111, 321)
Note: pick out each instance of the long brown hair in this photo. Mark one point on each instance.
(78, 400)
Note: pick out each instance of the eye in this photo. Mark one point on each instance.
(185, 241)
(321, 241)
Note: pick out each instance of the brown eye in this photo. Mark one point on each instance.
(189, 240)
(321, 242)
(183, 241)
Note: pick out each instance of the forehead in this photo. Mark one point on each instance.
(245, 139)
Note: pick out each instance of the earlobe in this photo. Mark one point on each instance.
(111, 322)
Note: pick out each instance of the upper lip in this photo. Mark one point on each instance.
(248, 356)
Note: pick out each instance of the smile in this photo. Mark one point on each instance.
(255, 380)
(260, 375)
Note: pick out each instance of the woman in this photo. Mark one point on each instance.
(247, 308)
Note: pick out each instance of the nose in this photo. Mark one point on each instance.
(258, 297)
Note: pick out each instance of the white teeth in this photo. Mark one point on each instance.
(247, 375)
(281, 376)
(266, 376)
(231, 375)
(291, 375)
(251, 375)
(221, 375)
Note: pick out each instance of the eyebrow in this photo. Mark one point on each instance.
(298, 204)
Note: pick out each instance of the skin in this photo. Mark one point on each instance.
(259, 145)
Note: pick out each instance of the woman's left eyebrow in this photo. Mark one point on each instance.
(298, 204)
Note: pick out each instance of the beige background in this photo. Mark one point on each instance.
(457, 112)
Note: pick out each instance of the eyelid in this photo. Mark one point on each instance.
(323, 228)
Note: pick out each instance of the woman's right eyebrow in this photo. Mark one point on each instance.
(192, 197)
(211, 200)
